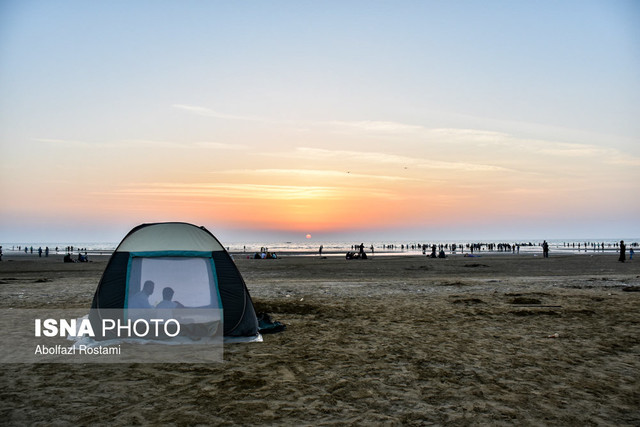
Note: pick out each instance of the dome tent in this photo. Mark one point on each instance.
(185, 257)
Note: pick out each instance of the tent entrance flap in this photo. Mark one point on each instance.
(171, 282)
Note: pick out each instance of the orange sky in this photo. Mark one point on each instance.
(247, 120)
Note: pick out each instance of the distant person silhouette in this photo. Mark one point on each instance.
(623, 249)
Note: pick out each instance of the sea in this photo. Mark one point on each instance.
(332, 248)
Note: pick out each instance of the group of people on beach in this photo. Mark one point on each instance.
(265, 254)
(438, 251)
(29, 250)
(361, 254)
(81, 258)
(441, 253)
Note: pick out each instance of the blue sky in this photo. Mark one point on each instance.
(116, 113)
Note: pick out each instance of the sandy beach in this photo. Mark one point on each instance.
(404, 340)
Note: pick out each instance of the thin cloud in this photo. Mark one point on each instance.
(373, 126)
(623, 160)
(69, 142)
(154, 143)
(566, 149)
(207, 112)
(244, 191)
(314, 173)
(151, 143)
(52, 141)
(576, 150)
(369, 126)
(220, 145)
(385, 158)
(477, 137)
(468, 135)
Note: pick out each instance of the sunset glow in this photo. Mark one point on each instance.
(322, 120)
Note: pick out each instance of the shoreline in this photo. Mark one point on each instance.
(390, 248)
(14, 255)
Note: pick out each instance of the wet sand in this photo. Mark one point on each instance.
(405, 340)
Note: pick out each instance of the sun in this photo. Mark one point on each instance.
(308, 236)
